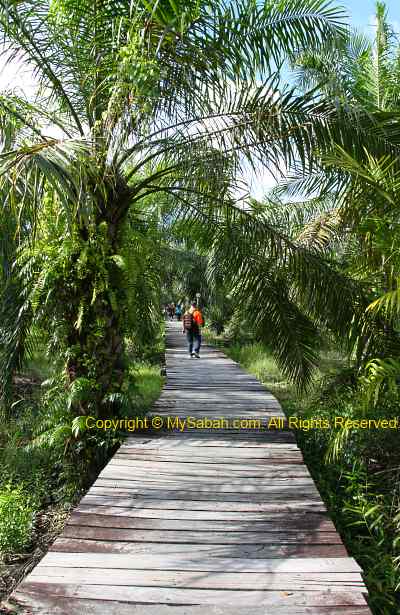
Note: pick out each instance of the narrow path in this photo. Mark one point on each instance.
(215, 520)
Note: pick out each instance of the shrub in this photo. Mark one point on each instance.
(16, 520)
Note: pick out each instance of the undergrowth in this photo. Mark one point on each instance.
(356, 471)
(48, 458)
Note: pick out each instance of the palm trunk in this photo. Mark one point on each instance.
(95, 316)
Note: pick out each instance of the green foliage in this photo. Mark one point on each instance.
(16, 520)
(48, 457)
(257, 359)
(359, 70)
(380, 374)
(356, 470)
(359, 483)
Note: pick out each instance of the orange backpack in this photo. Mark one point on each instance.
(198, 318)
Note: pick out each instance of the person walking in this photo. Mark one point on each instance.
(178, 312)
(192, 322)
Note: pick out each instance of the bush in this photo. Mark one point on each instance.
(356, 471)
(16, 520)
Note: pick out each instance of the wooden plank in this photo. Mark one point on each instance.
(139, 476)
(253, 551)
(261, 403)
(192, 491)
(193, 537)
(220, 401)
(168, 595)
(296, 581)
(174, 445)
(215, 387)
(203, 470)
(126, 478)
(295, 517)
(150, 475)
(47, 604)
(211, 396)
(206, 380)
(117, 521)
(199, 562)
(162, 495)
(122, 478)
(204, 504)
(216, 438)
(278, 492)
(261, 416)
(144, 466)
(177, 430)
(264, 437)
(240, 448)
(216, 460)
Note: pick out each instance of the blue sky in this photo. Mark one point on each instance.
(362, 11)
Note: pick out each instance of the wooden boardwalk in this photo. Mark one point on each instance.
(206, 521)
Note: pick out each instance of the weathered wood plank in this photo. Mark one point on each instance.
(177, 536)
(213, 438)
(262, 461)
(204, 470)
(224, 455)
(293, 517)
(143, 476)
(151, 474)
(54, 605)
(262, 405)
(283, 493)
(232, 454)
(122, 478)
(244, 418)
(168, 595)
(273, 496)
(253, 551)
(199, 562)
(126, 478)
(117, 521)
(206, 504)
(264, 437)
(296, 581)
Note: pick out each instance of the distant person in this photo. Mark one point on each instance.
(191, 325)
(178, 312)
(171, 311)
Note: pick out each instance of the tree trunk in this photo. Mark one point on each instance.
(94, 315)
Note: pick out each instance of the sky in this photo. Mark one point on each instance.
(361, 17)
(361, 13)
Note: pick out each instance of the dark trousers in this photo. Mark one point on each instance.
(193, 340)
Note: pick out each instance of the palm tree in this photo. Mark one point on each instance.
(144, 99)
(354, 216)
(357, 71)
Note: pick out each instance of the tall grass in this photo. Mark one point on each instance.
(356, 473)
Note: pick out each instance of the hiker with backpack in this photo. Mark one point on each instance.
(192, 322)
